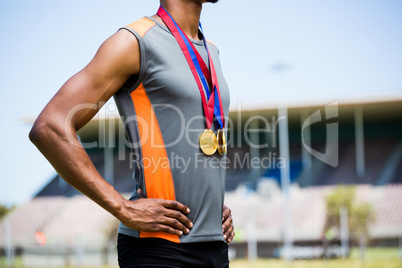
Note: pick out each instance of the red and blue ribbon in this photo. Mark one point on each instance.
(200, 71)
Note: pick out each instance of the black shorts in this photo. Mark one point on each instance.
(157, 252)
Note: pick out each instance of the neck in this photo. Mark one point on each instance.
(186, 13)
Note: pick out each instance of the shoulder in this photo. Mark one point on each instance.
(141, 26)
(212, 46)
(119, 53)
(122, 44)
(211, 43)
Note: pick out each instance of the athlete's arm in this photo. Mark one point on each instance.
(78, 100)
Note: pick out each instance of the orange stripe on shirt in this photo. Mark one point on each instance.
(142, 26)
(158, 176)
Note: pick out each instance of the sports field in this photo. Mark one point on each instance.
(316, 264)
(375, 258)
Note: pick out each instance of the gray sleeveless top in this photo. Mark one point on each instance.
(163, 116)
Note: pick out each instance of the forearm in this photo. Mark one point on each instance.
(73, 164)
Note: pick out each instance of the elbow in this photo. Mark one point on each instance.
(38, 132)
(45, 132)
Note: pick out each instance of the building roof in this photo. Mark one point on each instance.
(389, 106)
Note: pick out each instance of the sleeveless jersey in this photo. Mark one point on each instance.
(163, 116)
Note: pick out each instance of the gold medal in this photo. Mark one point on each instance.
(221, 142)
(208, 142)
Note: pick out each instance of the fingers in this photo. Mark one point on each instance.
(172, 222)
(156, 215)
(226, 213)
(228, 229)
(158, 227)
(227, 224)
(172, 204)
(231, 236)
(228, 234)
(180, 217)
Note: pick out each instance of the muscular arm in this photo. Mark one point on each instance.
(78, 100)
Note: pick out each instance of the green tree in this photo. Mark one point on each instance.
(360, 215)
(341, 196)
(4, 210)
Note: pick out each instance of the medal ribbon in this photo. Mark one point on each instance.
(199, 70)
(215, 85)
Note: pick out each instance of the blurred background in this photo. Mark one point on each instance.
(315, 131)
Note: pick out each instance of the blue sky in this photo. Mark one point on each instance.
(271, 51)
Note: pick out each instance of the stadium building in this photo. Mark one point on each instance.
(326, 144)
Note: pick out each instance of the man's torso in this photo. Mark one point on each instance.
(164, 119)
